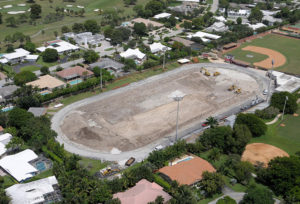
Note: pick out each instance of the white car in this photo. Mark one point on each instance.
(265, 92)
(159, 147)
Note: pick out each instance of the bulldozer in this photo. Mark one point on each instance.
(231, 88)
(207, 73)
(108, 171)
(238, 91)
(216, 73)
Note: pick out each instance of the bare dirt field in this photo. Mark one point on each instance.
(262, 153)
(279, 59)
(141, 114)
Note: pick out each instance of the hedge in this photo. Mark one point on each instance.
(51, 155)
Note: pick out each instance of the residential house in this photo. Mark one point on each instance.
(18, 166)
(47, 83)
(147, 22)
(7, 92)
(108, 64)
(205, 37)
(187, 170)
(162, 15)
(42, 191)
(187, 43)
(256, 26)
(60, 46)
(37, 111)
(77, 73)
(85, 38)
(217, 27)
(158, 47)
(18, 56)
(143, 192)
(4, 140)
(220, 18)
(135, 54)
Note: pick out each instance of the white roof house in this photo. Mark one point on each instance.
(217, 27)
(158, 47)
(220, 18)
(133, 54)
(256, 26)
(239, 13)
(4, 140)
(162, 15)
(32, 57)
(18, 166)
(18, 53)
(33, 192)
(196, 1)
(205, 37)
(60, 47)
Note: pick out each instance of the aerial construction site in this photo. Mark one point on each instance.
(143, 113)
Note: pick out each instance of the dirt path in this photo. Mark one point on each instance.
(279, 59)
(275, 120)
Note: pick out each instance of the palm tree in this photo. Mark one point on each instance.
(212, 122)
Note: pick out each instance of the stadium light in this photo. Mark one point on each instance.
(177, 96)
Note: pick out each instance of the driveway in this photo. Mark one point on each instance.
(107, 49)
(215, 5)
(143, 152)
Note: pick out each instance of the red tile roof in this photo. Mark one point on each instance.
(73, 72)
(187, 172)
(142, 193)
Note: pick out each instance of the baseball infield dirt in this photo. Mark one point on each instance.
(260, 153)
(279, 59)
(144, 113)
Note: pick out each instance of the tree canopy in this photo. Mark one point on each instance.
(258, 195)
(278, 100)
(50, 55)
(23, 77)
(256, 126)
(90, 56)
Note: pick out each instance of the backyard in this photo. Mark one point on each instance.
(289, 47)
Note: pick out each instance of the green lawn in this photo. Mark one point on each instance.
(286, 138)
(42, 175)
(47, 64)
(8, 181)
(30, 68)
(92, 165)
(289, 47)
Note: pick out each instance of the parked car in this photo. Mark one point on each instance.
(130, 161)
(159, 147)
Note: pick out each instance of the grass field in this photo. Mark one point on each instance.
(286, 138)
(47, 7)
(30, 68)
(289, 47)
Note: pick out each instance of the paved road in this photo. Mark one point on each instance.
(237, 196)
(64, 66)
(143, 152)
(214, 7)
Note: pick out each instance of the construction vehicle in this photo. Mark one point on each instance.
(109, 171)
(207, 73)
(238, 91)
(216, 73)
(231, 88)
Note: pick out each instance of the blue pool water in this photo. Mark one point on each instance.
(7, 108)
(45, 93)
(40, 166)
(76, 81)
(186, 159)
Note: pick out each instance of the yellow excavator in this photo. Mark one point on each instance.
(207, 73)
(108, 170)
(238, 91)
(216, 73)
(231, 88)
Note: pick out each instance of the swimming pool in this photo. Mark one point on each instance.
(40, 166)
(5, 109)
(74, 82)
(44, 93)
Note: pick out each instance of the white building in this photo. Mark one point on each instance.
(85, 38)
(285, 82)
(4, 140)
(60, 46)
(158, 47)
(41, 191)
(239, 13)
(256, 26)
(135, 54)
(18, 166)
(205, 37)
(220, 18)
(217, 27)
(17, 56)
(162, 15)
(269, 17)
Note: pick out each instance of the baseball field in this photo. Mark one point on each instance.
(260, 52)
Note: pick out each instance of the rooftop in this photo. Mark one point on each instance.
(4, 140)
(158, 47)
(32, 192)
(18, 53)
(73, 72)
(142, 193)
(204, 36)
(146, 22)
(187, 171)
(46, 81)
(17, 165)
(133, 53)
(107, 63)
(7, 91)
(162, 15)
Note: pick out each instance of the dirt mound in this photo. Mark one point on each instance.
(261, 154)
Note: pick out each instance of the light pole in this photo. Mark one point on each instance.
(101, 78)
(164, 60)
(269, 91)
(286, 98)
(177, 96)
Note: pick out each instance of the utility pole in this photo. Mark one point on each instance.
(286, 98)
(177, 96)
(164, 60)
(101, 84)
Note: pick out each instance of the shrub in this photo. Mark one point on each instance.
(50, 55)
(23, 77)
(267, 113)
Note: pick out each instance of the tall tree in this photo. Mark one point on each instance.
(258, 195)
(35, 11)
